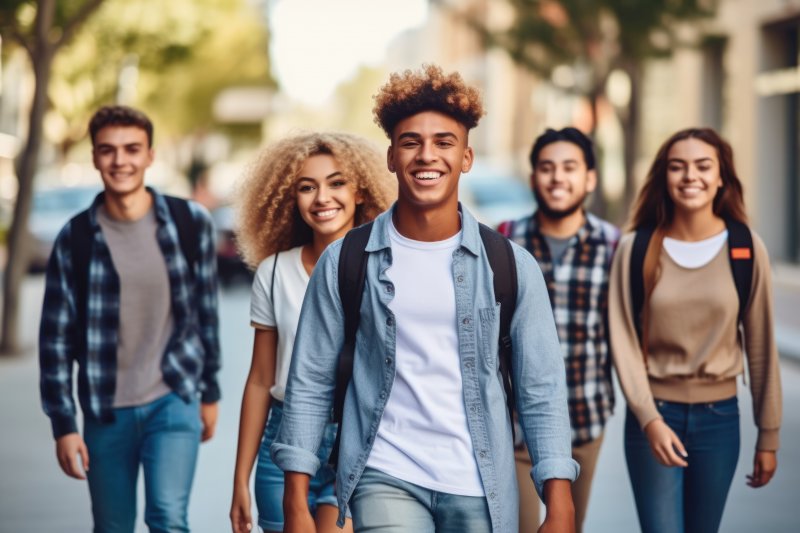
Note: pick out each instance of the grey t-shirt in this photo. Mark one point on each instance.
(557, 247)
(145, 314)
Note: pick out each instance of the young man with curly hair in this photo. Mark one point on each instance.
(426, 438)
(132, 298)
(574, 250)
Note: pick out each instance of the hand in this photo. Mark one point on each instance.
(665, 444)
(560, 517)
(68, 447)
(208, 415)
(241, 519)
(764, 466)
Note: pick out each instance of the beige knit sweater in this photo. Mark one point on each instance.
(693, 352)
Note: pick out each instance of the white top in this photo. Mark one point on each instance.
(423, 436)
(280, 311)
(695, 254)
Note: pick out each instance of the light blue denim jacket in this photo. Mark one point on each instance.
(537, 372)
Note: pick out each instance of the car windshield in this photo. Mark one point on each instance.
(64, 199)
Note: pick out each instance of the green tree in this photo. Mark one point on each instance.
(595, 37)
(42, 29)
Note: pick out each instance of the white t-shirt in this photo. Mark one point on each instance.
(280, 311)
(694, 254)
(423, 436)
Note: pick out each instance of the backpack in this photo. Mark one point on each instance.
(81, 248)
(740, 244)
(352, 277)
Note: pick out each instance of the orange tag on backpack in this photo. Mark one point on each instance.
(740, 253)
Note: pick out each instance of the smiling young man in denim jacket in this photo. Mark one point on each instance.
(426, 438)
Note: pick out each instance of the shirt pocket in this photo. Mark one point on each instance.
(489, 332)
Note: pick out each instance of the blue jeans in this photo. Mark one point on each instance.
(163, 437)
(269, 478)
(691, 499)
(384, 504)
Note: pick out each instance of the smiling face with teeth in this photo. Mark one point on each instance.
(122, 154)
(326, 199)
(428, 153)
(693, 175)
(561, 180)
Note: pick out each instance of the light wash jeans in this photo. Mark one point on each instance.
(163, 437)
(691, 499)
(269, 478)
(384, 504)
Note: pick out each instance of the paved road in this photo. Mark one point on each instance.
(35, 496)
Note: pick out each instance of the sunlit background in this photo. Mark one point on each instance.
(220, 78)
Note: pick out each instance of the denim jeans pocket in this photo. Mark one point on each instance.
(273, 422)
(729, 407)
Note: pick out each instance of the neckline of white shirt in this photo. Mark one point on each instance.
(450, 242)
(695, 254)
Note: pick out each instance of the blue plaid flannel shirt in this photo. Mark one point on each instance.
(192, 357)
(578, 287)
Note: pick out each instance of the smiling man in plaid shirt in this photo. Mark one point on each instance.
(574, 250)
(131, 296)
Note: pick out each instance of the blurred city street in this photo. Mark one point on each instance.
(36, 496)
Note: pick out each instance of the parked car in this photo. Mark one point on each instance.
(493, 198)
(230, 266)
(51, 209)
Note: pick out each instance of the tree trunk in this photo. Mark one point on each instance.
(18, 256)
(598, 204)
(630, 132)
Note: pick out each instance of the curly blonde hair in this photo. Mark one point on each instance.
(409, 93)
(267, 217)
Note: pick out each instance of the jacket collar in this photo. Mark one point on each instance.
(470, 234)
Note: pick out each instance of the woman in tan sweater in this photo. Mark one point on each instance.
(678, 371)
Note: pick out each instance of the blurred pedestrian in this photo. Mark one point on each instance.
(426, 439)
(685, 308)
(574, 250)
(131, 296)
(302, 194)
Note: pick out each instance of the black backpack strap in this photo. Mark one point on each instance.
(640, 243)
(504, 267)
(352, 278)
(741, 257)
(81, 238)
(187, 230)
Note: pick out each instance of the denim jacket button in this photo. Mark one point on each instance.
(352, 477)
(390, 289)
(460, 279)
(466, 321)
(388, 360)
(389, 321)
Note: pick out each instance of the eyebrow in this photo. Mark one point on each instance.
(329, 176)
(550, 161)
(127, 145)
(700, 160)
(414, 135)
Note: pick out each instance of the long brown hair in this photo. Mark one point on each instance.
(655, 209)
